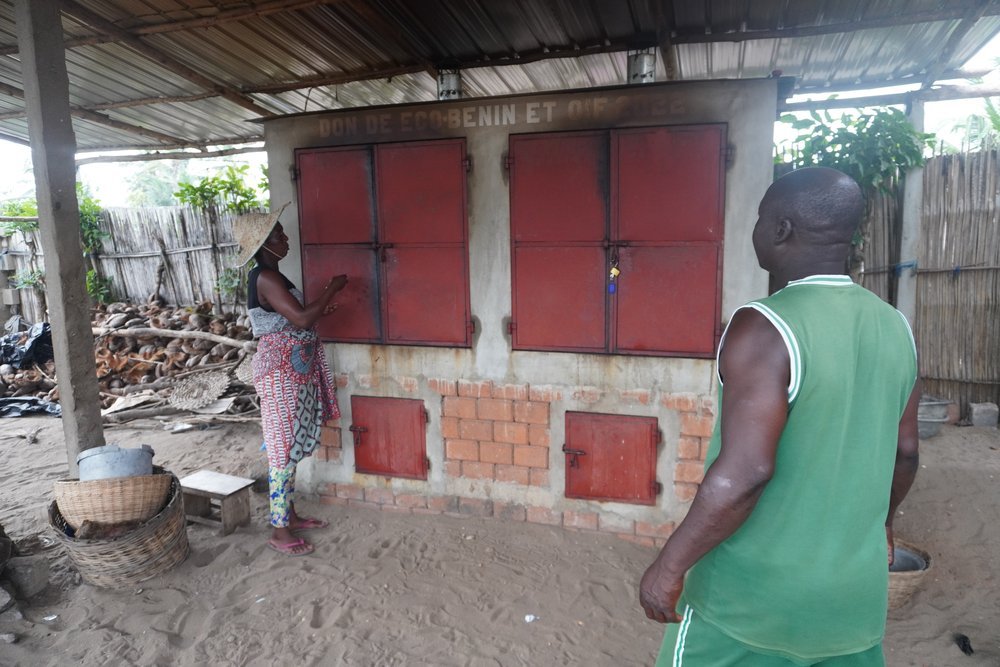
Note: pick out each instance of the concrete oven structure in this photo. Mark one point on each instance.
(537, 289)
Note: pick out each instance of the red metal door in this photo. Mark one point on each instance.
(668, 300)
(611, 457)
(558, 199)
(422, 242)
(335, 200)
(389, 436)
(668, 183)
(357, 316)
(426, 295)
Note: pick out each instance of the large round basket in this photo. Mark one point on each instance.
(113, 500)
(902, 584)
(151, 549)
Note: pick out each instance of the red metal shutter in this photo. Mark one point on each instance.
(668, 221)
(422, 242)
(389, 436)
(558, 200)
(335, 202)
(356, 319)
(611, 457)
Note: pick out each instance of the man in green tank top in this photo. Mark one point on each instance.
(782, 557)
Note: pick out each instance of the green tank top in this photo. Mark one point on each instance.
(806, 575)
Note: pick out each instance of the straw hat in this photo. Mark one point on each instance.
(251, 230)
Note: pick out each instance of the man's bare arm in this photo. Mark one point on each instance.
(907, 461)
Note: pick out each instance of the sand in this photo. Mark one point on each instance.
(393, 589)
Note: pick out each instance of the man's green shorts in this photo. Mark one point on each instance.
(694, 642)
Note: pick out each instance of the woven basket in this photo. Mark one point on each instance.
(903, 584)
(151, 549)
(199, 390)
(113, 500)
(244, 370)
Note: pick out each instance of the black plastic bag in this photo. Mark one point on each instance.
(23, 349)
(21, 406)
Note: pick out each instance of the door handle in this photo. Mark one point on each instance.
(574, 454)
(357, 431)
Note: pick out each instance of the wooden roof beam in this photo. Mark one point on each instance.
(832, 28)
(102, 25)
(100, 119)
(939, 94)
(219, 18)
(954, 39)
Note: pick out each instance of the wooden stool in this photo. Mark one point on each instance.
(217, 499)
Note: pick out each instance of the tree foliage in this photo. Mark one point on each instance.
(873, 147)
(226, 191)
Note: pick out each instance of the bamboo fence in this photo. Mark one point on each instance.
(882, 230)
(958, 303)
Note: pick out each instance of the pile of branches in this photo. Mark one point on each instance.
(148, 349)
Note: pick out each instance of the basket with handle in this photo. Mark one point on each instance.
(152, 548)
(903, 583)
(114, 500)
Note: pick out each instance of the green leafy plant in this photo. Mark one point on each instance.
(98, 288)
(873, 147)
(229, 282)
(28, 279)
(227, 191)
(91, 234)
(18, 208)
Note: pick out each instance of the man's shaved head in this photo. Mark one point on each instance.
(823, 204)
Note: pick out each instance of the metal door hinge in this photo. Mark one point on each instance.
(729, 154)
(295, 173)
(471, 327)
(357, 431)
(467, 163)
(574, 454)
(511, 327)
(656, 487)
(508, 161)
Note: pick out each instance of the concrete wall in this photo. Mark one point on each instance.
(679, 392)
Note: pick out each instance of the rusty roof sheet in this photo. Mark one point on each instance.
(175, 73)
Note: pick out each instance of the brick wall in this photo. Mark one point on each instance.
(502, 433)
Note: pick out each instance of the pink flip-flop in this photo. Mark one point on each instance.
(311, 523)
(288, 548)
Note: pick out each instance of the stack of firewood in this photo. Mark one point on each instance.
(148, 348)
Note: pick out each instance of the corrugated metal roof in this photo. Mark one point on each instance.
(170, 73)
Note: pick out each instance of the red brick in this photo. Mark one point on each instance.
(680, 402)
(477, 470)
(363, 504)
(511, 432)
(532, 457)
(396, 509)
(449, 427)
(691, 472)
(661, 530)
(509, 511)
(406, 383)
(642, 541)
(697, 425)
(531, 412)
(515, 474)
(546, 393)
(341, 380)
(544, 515)
(332, 500)
(411, 500)
(685, 492)
(496, 452)
(475, 429)
(538, 435)
(329, 436)
(320, 453)
(707, 407)
(326, 489)
(587, 394)
(379, 496)
(475, 507)
(425, 511)
(636, 396)
(609, 523)
(443, 387)
(350, 491)
(689, 448)
(454, 406)
(461, 450)
(705, 444)
(497, 409)
(658, 543)
(453, 469)
(368, 381)
(443, 503)
(478, 389)
(538, 477)
(581, 520)
(517, 392)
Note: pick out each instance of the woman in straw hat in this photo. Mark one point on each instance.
(289, 370)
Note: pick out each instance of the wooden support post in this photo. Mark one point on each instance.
(53, 152)
(913, 195)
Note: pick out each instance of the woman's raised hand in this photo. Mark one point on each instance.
(337, 283)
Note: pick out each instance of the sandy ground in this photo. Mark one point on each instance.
(388, 589)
